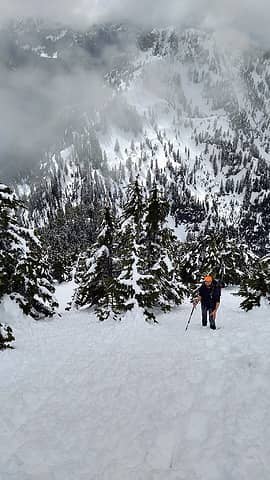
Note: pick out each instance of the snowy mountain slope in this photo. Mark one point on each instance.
(183, 108)
(80, 399)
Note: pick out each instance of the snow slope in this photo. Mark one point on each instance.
(84, 400)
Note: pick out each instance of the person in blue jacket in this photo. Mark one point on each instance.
(209, 296)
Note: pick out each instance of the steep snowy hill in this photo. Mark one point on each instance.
(185, 109)
(85, 400)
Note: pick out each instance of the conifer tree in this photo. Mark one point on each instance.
(6, 336)
(130, 247)
(217, 254)
(95, 272)
(32, 283)
(135, 267)
(12, 244)
(117, 146)
(255, 285)
(134, 206)
(24, 274)
(148, 266)
(161, 283)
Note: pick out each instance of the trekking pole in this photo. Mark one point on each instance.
(190, 317)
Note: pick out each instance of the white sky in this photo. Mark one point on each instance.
(248, 16)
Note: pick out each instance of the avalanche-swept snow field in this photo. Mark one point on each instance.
(81, 400)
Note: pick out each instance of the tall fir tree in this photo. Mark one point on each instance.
(255, 285)
(216, 254)
(6, 336)
(160, 283)
(12, 243)
(24, 274)
(130, 247)
(32, 284)
(148, 267)
(134, 267)
(96, 271)
(134, 206)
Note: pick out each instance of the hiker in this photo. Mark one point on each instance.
(209, 296)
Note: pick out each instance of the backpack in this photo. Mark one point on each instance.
(218, 284)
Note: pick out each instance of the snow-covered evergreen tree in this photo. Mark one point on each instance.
(256, 284)
(130, 248)
(6, 336)
(160, 283)
(32, 284)
(148, 268)
(95, 271)
(134, 206)
(12, 243)
(24, 274)
(127, 285)
(217, 254)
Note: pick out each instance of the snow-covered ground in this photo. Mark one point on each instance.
(81, 400)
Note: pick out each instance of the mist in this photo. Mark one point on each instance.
(40, 99)
(246, 16)
(37, 107)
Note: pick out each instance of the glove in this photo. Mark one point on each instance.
(195, 302)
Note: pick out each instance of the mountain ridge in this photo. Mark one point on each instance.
(180, 109)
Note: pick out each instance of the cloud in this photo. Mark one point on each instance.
(37, 107)
(79, 11)
(34, 104)
(248, 16)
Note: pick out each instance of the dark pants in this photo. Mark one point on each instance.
(206, 310)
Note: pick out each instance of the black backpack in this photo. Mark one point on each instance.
(218, 284)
